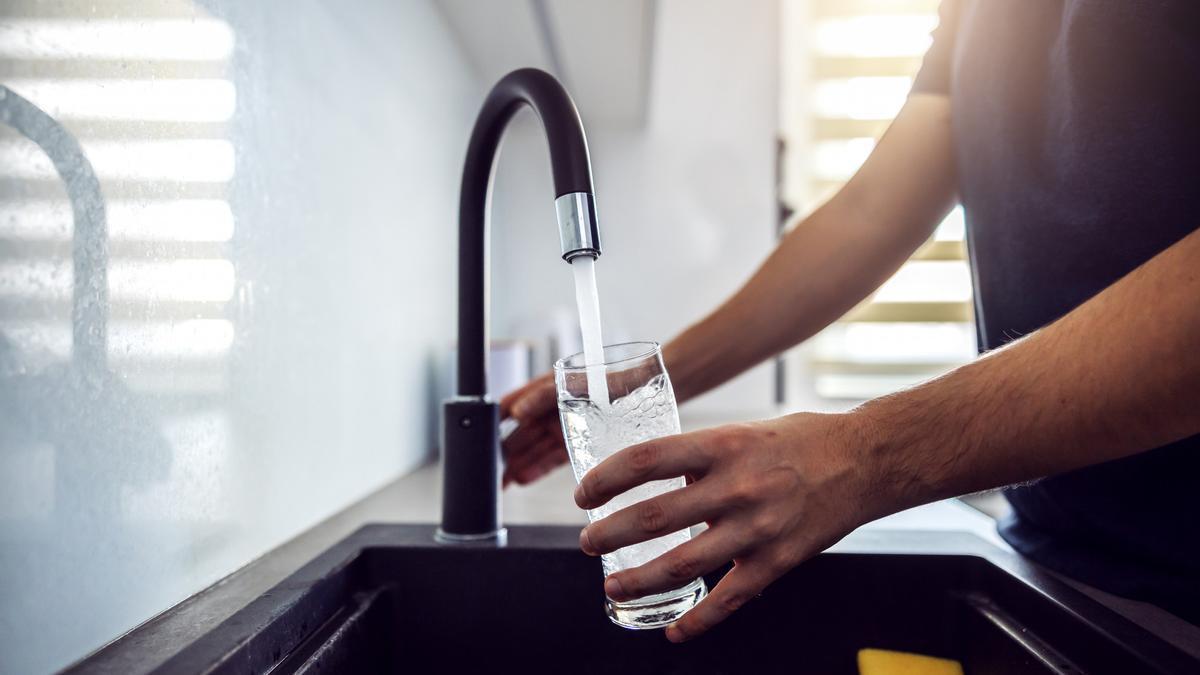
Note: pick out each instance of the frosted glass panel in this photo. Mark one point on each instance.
(228, 335)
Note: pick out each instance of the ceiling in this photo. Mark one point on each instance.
(600, 50)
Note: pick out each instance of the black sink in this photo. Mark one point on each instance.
(388, 599)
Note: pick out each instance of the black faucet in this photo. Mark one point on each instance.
(470, 421)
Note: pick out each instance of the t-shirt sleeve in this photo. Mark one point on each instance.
(934, 76)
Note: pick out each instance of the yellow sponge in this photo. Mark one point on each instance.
(884, 662)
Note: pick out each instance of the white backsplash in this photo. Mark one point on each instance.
(281, 186)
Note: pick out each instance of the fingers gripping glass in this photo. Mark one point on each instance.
(641, 407)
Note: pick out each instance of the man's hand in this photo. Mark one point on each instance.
(1118, 375)
(537, 445)
(774, 494)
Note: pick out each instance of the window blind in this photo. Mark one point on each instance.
(848, 66)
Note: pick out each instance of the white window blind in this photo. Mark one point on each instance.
(848, 66)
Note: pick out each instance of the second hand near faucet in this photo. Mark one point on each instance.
(470, 421)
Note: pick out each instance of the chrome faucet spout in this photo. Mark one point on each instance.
(577, 228)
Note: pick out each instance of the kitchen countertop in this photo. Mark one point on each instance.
(416, 498)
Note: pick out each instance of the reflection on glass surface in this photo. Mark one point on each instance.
(136, 37)
(184, 100)
(180, 160)
(139, 221)
(246, 349)
(97, 464)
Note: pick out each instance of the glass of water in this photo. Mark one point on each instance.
(640, 406)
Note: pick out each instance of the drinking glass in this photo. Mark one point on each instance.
(640, 406)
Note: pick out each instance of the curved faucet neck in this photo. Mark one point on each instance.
(470, 423)
(574, 204)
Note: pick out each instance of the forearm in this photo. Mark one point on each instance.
(1117, 376)
(834, 258)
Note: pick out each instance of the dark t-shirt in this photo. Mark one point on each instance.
(1077, 136)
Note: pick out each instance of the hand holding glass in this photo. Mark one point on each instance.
(641, 408)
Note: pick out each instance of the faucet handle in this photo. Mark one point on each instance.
(577, 227)
(471, 468)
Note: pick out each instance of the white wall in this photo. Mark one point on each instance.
(306, 381)
(686, 203)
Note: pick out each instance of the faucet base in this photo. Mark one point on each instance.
(488, 539)
(470, 470)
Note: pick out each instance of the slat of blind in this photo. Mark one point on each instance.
(25, 309)
(833, 67)
(844, 386)
(117, 189)
(105, 130)
(892, 312)
(75, 9)
(941, 250)
(826, 366)
(822, 188)
(825, 128)
(831, 8)
(111, 69)
(19, 249)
